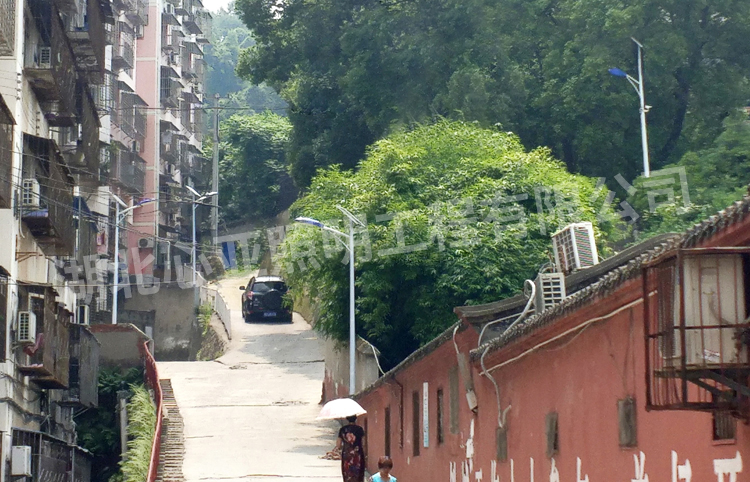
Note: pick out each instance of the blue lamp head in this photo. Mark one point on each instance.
(313, 222)
(617, 72)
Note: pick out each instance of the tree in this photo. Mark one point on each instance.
(354, 71)
(449, 206)
(229, 38)
(253, 181)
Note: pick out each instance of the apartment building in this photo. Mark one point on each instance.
(100, 114)
(52, 61)
(169, 59)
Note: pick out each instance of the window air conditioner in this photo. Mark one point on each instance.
(169, 8)
(145, 243)
(136, 147)
(575, 247)
(45, 57)
(20, 460)
(550, 290)
(30, 193)
(26, 332)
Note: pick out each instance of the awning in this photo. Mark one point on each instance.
(169, 72)
(81, 209)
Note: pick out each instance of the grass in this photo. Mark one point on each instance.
(141, 429)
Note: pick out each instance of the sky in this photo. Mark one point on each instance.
(215, 5)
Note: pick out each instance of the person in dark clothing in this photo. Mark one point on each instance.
(351, 443)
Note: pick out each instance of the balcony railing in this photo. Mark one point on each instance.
(103, 94)
(122, 51)
(53, 458)
(139, 14)
(85, 159)
(84, 368)
(88, 37)
(129, 171)
(697, 330)
(48, 360)
(48, 209)
(170, 92)
(50, 68)
(7, 27)
(139, 121)
(6, 154)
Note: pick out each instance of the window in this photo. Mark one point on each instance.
(453, 382)
(440, 437)
(724, 425)
(387, 438)
(626, 421)
(553, 441)
(416, 431)
(501, 444)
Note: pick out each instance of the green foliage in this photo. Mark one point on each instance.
(141, 429)
(444, 185)
(229, 38)
(352, 71)
(205, 311)
(716, 177)
(98, 428)
(252, 168)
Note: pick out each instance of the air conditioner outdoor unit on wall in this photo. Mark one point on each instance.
(550, 290)
(45, 57)
(136, 147)
(30, 193)
(575, 247)
(26, 332)
(20, 460)
(144, 243)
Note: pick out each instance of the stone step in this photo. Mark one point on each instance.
(172, 451)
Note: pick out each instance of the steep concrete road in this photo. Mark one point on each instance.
(250, 415)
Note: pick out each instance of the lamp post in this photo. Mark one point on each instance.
(119, 216)
(638, 86)
(349, 245)
(197, 198)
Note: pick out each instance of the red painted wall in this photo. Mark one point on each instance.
(581, 377)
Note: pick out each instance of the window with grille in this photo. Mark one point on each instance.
(415, 418)
(724, 425)
(440, 434)
(387, 437)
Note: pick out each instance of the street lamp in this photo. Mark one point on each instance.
(119, 216)
(350, 247)
(197, 198)
(638, 86)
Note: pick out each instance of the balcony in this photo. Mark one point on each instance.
(170, 92)
(103, 94)
(138, 13)
(190, 25)
(122, 49)
(53, 458)
(129, 171)
(85, 158)
(48, 361)
(88, 37)
(46, 205)
(84, 369)
(7, 27)
(50, 70)
(170, 149)
(6, 155)
(697, 331)
(139, 122)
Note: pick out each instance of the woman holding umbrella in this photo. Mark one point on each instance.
(351, 442)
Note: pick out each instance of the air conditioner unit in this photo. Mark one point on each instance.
(136, 147)
(144, 243)
(575, 247)
(26, 332)
(30, 193)
(45, 57)
(169, 8)
(82, 315)
(20, 460)
(550, 290)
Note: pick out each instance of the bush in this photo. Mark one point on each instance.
(141, 430)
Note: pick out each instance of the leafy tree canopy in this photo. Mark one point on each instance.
(449, 206)
(352, 71)
(253, 180)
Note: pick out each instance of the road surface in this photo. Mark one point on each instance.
(250, 415)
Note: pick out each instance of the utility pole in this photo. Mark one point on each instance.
(215, 174)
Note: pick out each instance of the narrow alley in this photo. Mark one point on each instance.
(250, 415)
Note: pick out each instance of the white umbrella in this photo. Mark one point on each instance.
(340, 408)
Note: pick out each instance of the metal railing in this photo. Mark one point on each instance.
(152, 380)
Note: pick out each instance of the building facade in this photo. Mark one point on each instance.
(641, 374)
